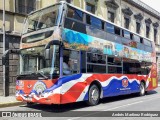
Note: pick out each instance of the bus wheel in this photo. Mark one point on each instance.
(93, 96)
(142, 89)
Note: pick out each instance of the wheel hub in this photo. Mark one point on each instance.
(142, 89)
(95, 94)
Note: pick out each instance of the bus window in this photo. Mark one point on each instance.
(114, 64)
(96, 58)
(110, 28)
(96, 68)
(114, 61)
(148, 48)
(148, 45)
(70, 62)
(140, 46)
(75, 25)
(96, 63)
(75, 14)
(136, 38)
(114, 69)
(126, 34)
(145, 68)
(131, 66)
(95, 22)
(146, 42)
(136, 67)
(30, 63)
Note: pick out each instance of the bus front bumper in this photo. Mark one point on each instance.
(52, 99)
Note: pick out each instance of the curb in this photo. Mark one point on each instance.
(9, 104)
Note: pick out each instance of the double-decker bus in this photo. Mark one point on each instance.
(68, 55)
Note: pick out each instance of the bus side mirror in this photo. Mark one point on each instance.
(47, 54)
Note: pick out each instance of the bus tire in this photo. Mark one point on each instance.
(142, 89)
(93, 95)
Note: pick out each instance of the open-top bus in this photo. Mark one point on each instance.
(69, 55)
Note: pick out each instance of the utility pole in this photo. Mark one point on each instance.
(4, 47)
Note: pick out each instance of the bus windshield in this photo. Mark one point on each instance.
(33, 61)
(42, 19)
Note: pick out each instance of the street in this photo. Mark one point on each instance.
(149, 102)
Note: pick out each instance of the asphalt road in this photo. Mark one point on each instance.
(107, 107)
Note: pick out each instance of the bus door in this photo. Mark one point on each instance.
(71, 62)
(115, 68)
(71, 73)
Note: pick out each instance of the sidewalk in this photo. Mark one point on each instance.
(9, 101)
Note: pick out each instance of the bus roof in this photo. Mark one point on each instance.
(64, 2)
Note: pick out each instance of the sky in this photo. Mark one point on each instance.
(155, 4)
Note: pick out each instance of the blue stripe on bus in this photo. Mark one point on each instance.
(115, 88)
(111, 89)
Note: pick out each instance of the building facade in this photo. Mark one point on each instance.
(131, 14)
(15, 12)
